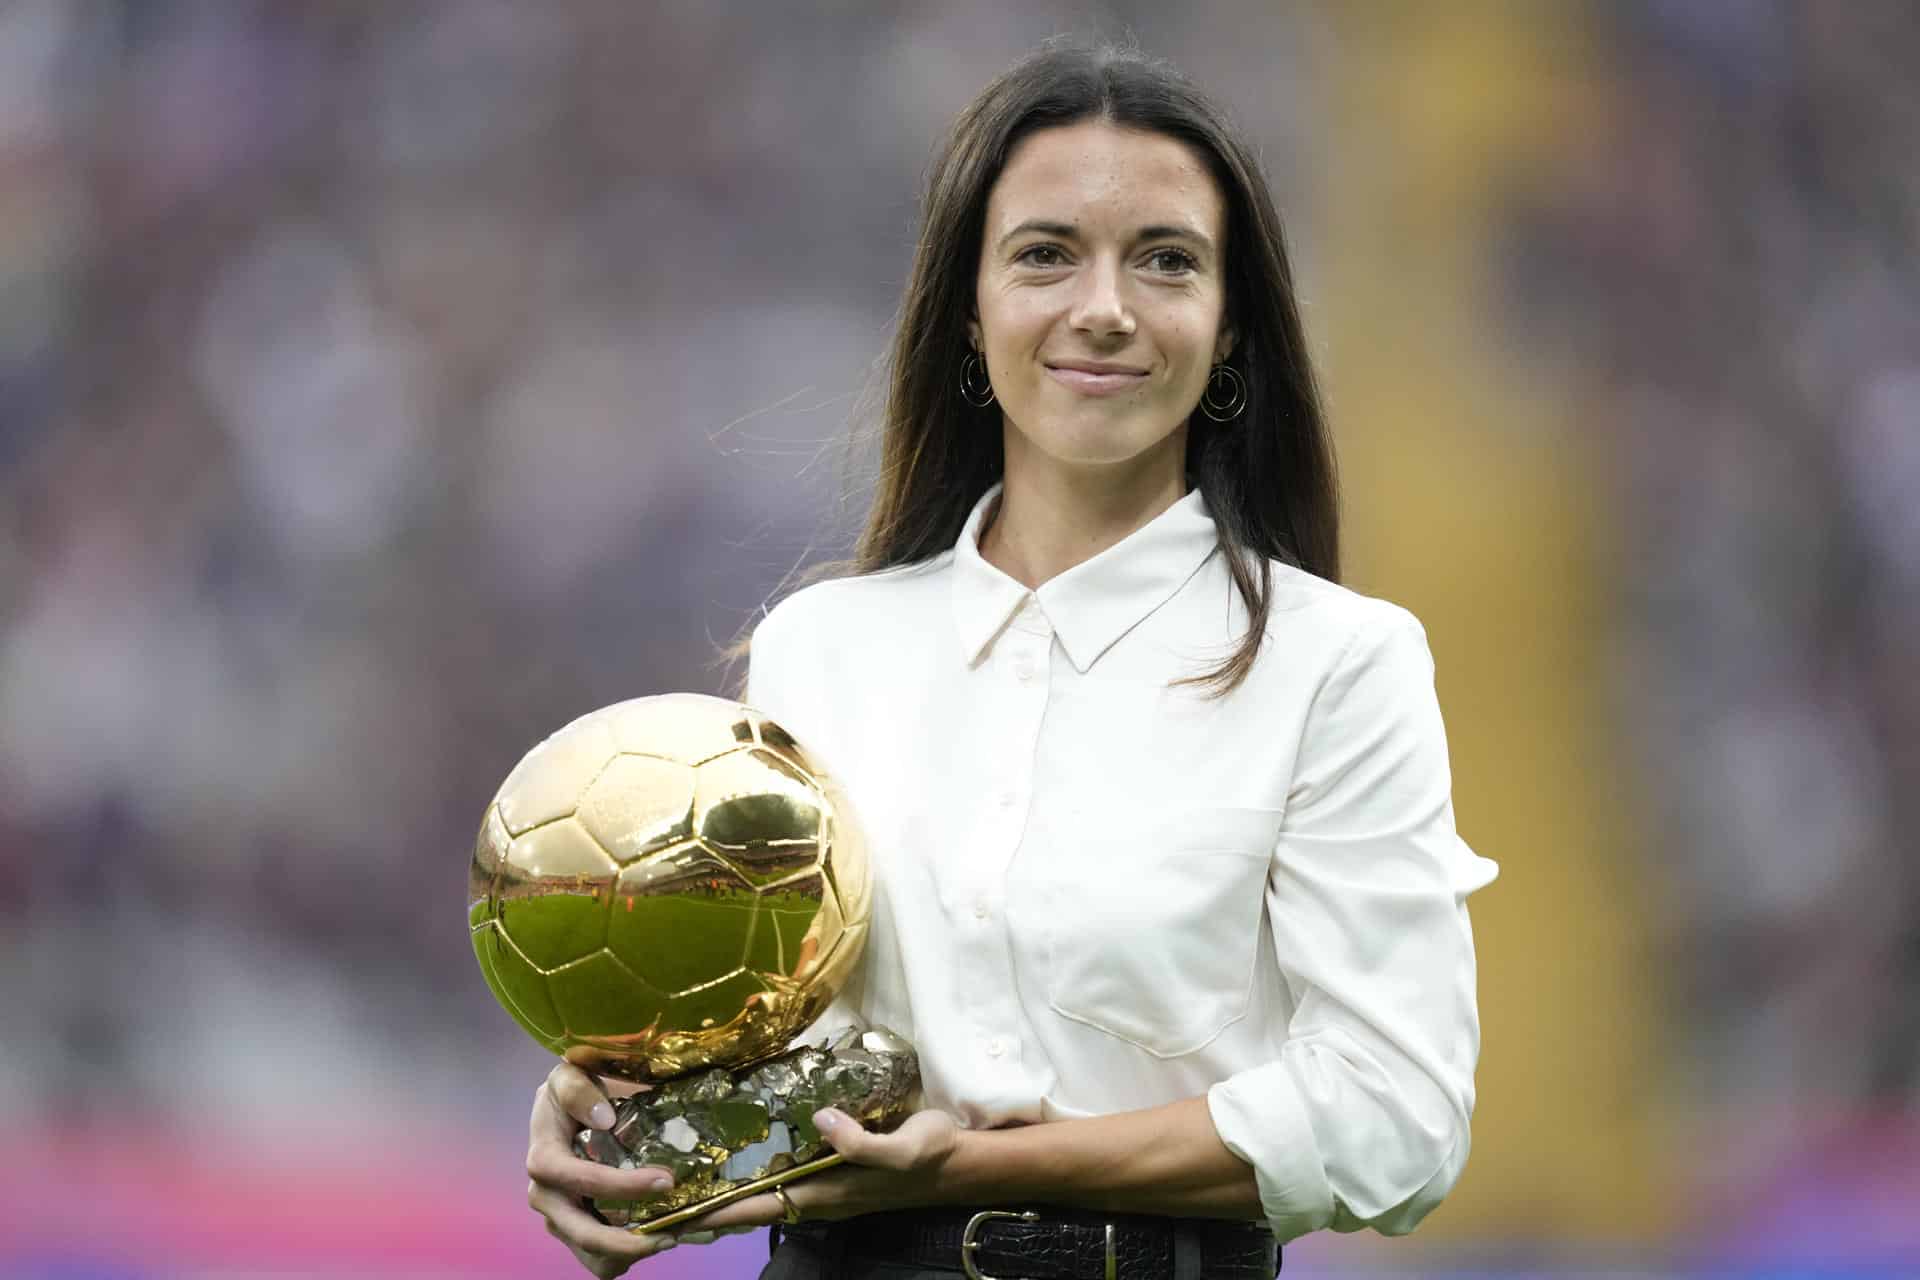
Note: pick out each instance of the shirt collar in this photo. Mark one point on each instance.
(1093, 604)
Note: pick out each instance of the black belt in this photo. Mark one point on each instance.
(1042, 1242)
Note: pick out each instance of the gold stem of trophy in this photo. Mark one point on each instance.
(741, 1192)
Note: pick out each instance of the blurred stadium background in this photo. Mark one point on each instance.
(385, 384)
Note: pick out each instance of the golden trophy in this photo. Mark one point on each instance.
(670, 890)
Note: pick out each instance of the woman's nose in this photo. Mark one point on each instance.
(1100, 307)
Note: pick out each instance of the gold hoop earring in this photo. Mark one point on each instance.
(1224, 404)
(976, 388)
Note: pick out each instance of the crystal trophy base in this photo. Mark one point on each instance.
(726, 1135)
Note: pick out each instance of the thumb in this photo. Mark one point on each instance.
(843, 1133)
(579, 1096)
(905, 1148)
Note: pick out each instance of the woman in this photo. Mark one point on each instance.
(1168, 891)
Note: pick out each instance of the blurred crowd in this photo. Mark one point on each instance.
(1725, 254)
(382, 385)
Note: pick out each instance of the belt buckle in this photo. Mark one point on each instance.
(968, 1244)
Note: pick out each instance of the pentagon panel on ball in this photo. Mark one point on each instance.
(688, 727)
(550, 780)
(639, 805)
(489, 856)
(681, 918)
(520, 988)
(761, 812)
(800, 924)
(605, 1005)
(851, 878)
(553, 894)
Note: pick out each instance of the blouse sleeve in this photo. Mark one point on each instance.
(763, 685)
(782, 680)
(1362, 1120)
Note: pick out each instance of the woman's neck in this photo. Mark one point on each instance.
(1050, 518)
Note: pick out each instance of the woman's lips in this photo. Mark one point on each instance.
(1089, 382)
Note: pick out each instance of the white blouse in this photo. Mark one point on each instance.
(1095, 892)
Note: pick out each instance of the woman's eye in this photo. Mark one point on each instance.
(1040, 255)
(1171, 261)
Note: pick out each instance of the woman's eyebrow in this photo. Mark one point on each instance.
(1168, 231)
(1065, 230)
(1068, 231)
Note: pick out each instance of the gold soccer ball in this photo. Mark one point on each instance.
(668, 884)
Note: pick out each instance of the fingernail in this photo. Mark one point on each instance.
(825, 1120)
(672, 1242)
(661, 1182)
(601, 1117)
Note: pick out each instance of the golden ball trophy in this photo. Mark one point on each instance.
(669, 891)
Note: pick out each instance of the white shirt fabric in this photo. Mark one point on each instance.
(1095, 892)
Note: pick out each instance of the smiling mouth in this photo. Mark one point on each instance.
(1096, 382)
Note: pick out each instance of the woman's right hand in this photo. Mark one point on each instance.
(560, 1183)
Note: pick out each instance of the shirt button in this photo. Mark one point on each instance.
(1008, 799)
(996, 1047)
(980, 911)
(1024, 669)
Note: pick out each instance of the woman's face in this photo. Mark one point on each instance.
(1100, 300)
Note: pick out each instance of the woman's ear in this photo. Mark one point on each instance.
(1223, 345)
(973, 331)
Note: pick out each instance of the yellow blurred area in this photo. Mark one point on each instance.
(1470, 500)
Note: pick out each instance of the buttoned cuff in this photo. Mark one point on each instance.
(1259, 1115)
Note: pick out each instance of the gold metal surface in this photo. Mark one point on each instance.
(667, 884)
(741, 1192)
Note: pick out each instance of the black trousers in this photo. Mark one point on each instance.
(801, 1260)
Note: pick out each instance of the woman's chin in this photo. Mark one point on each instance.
(1098, 446)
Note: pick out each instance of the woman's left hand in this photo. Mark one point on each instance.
(898, 1170)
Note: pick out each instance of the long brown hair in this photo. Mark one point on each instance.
(1267, 476)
